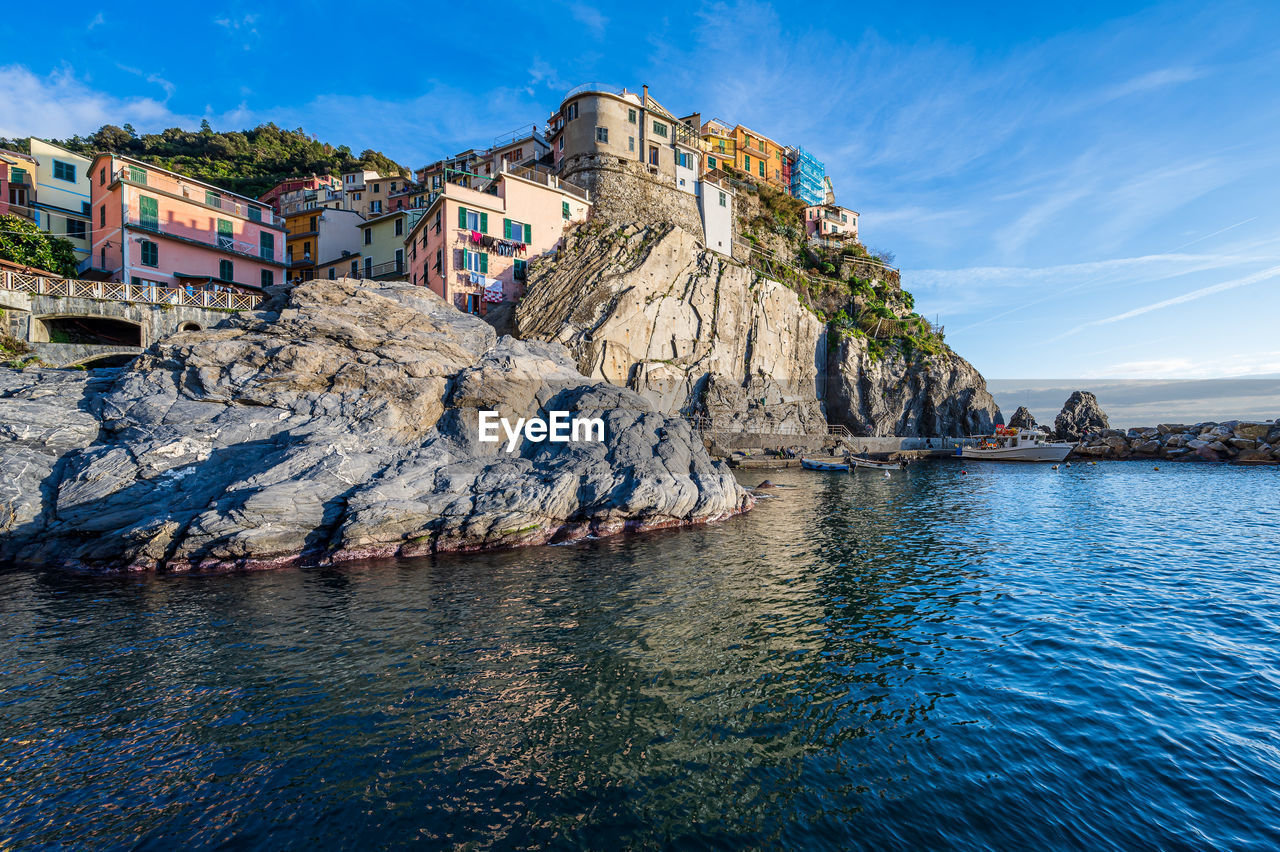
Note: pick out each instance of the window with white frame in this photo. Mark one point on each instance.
(602, 135)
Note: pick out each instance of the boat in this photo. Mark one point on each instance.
(818, 464)
(876, 465)
(1010, 444)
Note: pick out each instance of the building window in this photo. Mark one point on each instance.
(102, 216)
(711, 162)
(356, 195)
(844, 218)
(213, 199)
(333, 273)
(659, 129)
(724, 200)
(226, 238)
(75, 229)
(306, 250)
(355, 268)
(473, 220)
(564, 209)
(399, 260)
(746, 163)
(400, 227)
(521, 271)
(368, 267)
(64, 171)
(653, 155)
(374, 188)
(761, 164)
(375, 206)
(560, 144)
(267, 278)
(631, 143)
(436, 267)
(475, 261)
(368, 236)
(226, 270)
(150, 254)
(631, 116)
(148, 212)
(686, 160)
(255, 214)
(571, 112)
(513, 230)
(602, 135)
(137, 175)
(102, 176)
(314, 222)
(392, 186)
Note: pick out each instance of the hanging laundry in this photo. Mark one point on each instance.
(492, 290)
(486, 241)
(475, 236)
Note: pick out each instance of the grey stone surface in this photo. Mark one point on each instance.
(1080, 415)
(338, 422)
(1022, 419)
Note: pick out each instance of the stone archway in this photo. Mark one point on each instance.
(190, 326)
(90, 330)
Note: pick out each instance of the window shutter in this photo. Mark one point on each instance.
(506, 229)
(528, 233)
(484, 222)
(484, 263)
(564, 209)
(464, 259)
(462, 217)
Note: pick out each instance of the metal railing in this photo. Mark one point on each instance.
(148, 292)
(703, 424)
(390, 267)
(546, 178)
(223, 242)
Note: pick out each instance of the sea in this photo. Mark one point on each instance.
(959, 656)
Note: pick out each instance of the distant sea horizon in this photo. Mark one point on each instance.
(1146, 402)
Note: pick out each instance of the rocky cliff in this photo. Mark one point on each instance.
(1080, 415)
(648, 308)
(337, 422)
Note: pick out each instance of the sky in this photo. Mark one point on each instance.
(1086, 190)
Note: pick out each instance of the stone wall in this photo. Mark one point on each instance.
(625, 191)
(71, 354)
(156, 321)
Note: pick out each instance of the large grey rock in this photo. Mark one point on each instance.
(1080, 415)
(1022, 419)
(339, 421)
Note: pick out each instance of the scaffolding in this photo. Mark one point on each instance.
(806, 176)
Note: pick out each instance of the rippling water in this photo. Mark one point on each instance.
(1010, 658)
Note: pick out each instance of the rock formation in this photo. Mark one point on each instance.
(649, 309)
(337, 422)
(1080, 415)
(895, 395)
(696, 333)
(1240, 441)
(1022, 419)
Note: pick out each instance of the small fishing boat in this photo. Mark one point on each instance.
(876, 465)
(1010, 444)
(818, 464)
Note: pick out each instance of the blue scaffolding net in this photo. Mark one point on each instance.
(806, 176)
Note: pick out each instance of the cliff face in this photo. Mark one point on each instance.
(893, 394)
(649, 309)
(646, 307)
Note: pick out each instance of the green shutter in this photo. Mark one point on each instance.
(148, 212)
(484, 222)
(564, 209)
(462, 217)
(506, 229)
(465, 266)
(528, 233)
(484, 263)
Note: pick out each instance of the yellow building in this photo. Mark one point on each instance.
(754, 154)
(62, 194)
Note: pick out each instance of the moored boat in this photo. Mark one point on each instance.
(818, 464)
(876, 465)
(1010, 444)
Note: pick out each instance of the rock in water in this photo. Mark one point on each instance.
(1022, 419)
(1080, 414)
(340, 421)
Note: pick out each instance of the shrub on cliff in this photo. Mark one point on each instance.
(22, 242)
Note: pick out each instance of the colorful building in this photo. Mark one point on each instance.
(720, 145)
(831, 222)
(382, 244)
(62, 196)
(289, 196)
(154, 225)
(472, 247)
(318, 237)
(19, 184)
(463, 169)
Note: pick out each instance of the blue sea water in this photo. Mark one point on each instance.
(957, 657)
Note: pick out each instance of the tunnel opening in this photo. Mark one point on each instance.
(113, 362)
(190, 326)
(100, 331)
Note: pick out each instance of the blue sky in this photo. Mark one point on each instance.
(1073, 191)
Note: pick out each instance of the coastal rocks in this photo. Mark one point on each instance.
(1198, 442)
(1080, 415)
(1022, 419)
(696, 333)
(892, 394)
(339, 421)
(648, 308)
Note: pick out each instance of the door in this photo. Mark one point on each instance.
(149, 212)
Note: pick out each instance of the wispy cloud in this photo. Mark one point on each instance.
(98, 20)
(61, 104)
(590, 17)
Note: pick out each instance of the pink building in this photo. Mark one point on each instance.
(831, 221)
(472, 248)
(154, 225)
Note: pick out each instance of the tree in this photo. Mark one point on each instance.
(22, 242)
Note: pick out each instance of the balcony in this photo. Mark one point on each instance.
(201, 237)
(389, 268)
(198, 194)
(304, 261)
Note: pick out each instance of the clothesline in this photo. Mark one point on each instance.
(507, 248)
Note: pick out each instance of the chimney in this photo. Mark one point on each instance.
(645, 99)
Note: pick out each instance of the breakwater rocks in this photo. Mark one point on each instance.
(1244, 442)
(338, 422)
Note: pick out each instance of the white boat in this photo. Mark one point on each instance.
(1009, 444)
(876, 465)
(816, 464)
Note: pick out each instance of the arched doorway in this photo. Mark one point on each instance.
(100, 331)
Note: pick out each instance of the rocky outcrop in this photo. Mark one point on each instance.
(340, 421)
(1081, 415)
(1022, 419)
(649, 309)
(1239, 441)
(893, 393)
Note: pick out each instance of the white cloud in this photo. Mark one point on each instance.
(60, 105)
(98, 20)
